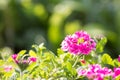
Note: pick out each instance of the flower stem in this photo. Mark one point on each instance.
(21, 74)
(75, 62)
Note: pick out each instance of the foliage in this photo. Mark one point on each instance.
(39, 63)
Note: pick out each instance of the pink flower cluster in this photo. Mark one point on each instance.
(25, 61)
(96, 72)
(78, 43)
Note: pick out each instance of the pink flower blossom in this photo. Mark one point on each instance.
(24, 61)
(32, 59)
(82, 72)
(78, 43)
(14, 56)
(116, 72)
(95, 72)
(8, 68)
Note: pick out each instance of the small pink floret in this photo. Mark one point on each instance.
(14, 56)
(8, 68)
(33, 59)
(116, 72)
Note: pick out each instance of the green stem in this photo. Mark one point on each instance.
(75, 61)
(21, 74)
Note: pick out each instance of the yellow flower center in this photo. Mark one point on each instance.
(80, 40)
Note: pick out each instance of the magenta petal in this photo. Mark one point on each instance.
(78, 43)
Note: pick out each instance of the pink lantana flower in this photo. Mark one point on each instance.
(23, 62)
(8, 68)
(32, 59)
(14, 56)
(95, 72)
(82, 72)
(78, 43)
(116, 72)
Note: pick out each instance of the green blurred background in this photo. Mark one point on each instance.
(27, 22)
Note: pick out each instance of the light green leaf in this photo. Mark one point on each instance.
(106, 59)
(41, 46)
(1, 62)
(59, 52)
(116, 63)
(69, 67)
(101, 44)
(10, 59)
(32, 53)
(22, 52)
(31, 66)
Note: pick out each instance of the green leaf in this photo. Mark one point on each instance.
(41, 46)
(10, 59)
(22, 52)
(32, 53)
(101, 44)
(69, 67)
(67, 57)
(8, 74)
(106, 59)
(31, 66)
(1, 62)
(59, 52)
(116, 63)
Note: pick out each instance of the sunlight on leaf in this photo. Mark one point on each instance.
(106, 59)
(32, 53)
